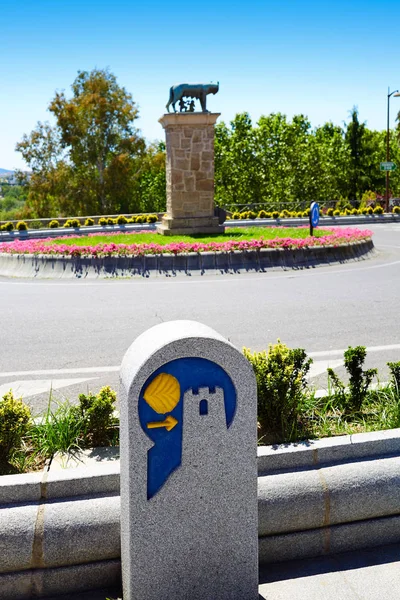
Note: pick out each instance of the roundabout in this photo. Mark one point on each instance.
(242, 251)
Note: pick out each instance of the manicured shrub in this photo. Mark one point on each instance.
(96, 413)
(103, 221)
(72, 223)
(7, 226)
(394, 368)
(121, 220)
(35, 225)
(351, 400)
(281, 385)
(329, 212)
(306, 213)
(236, 215)
(275, 214)
(354, 211)
(364, 210)
(110, 221)
(378, 210)
(299, 214)
(284, 214)
(54, 224)
(336, 213)
(15, 418)
(370, 210)
(21, 226)
(89, 222)
(262, 214)
(251, 214)
(153, 218)
(396, 210)
(140, 219)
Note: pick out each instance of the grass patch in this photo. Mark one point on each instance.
(232, 233)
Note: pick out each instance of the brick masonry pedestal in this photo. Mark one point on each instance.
(190, 174)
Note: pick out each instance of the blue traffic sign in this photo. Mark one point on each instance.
(314, 214)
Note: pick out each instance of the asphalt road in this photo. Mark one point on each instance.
(72, 334)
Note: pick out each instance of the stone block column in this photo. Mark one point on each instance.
(190, 174)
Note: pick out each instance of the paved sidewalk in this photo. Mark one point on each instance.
(363, 575)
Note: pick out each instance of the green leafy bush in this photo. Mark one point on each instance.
(21, 226)
(378, 210)
(394, 368)
(299, 214)
(281, 385)
(110, 221)
(354, 211)
(121, 220)
(275, 214)
(329, 212)
(140, 219)
(89, 222)
(369, 210)
(154, 218)
(306, 213)
(336, 213)
(236, 215)
(103, 221)
(96, 413)
(396, 210)
(15, 419)
(351, 400)
(35, 225)
(284, 214)
(262, 214)
(251, 214)
(54, 224)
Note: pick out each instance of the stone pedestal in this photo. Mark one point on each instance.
(190, 174)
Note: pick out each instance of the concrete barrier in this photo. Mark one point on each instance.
(60, 530)
(46, 266)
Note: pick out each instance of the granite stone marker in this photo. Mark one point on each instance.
(188, 467)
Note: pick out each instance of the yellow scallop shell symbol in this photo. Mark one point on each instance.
(163, 393)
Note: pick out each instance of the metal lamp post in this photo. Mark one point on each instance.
(395, 94)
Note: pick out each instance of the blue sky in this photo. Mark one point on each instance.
(316, 58)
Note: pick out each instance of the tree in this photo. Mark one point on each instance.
(354, 137)
(91, 155)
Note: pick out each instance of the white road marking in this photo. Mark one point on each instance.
(320, 366)
(227, 278)
(324, 354)
(368, 349)
(61, 371)
(26, 388)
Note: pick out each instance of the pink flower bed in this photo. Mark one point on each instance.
(335, 237)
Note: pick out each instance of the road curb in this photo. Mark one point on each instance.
(262, 260)
(315, 498)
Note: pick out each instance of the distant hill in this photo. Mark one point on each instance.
(5, 172)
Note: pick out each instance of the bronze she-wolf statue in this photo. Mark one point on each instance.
(191, 90)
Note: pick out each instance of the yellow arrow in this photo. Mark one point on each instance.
(169, 423)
